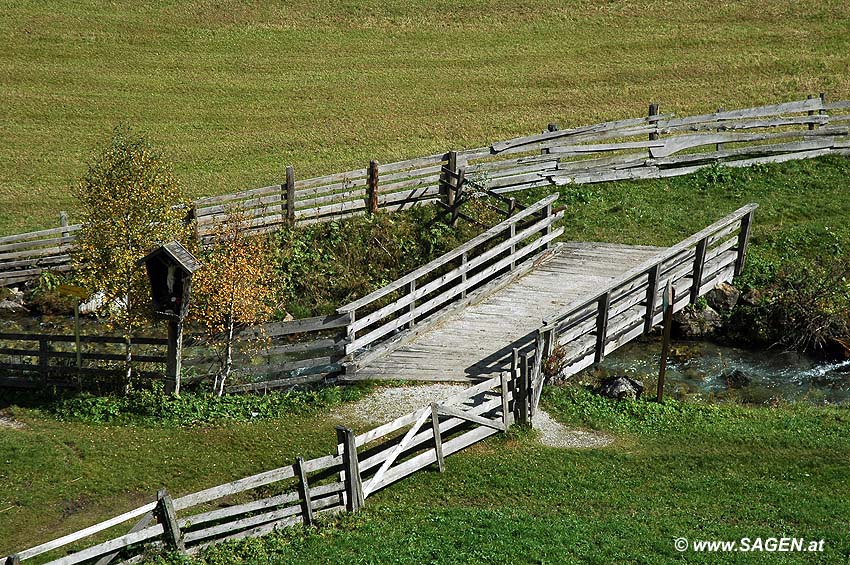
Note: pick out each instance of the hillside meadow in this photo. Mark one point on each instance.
(233, 92)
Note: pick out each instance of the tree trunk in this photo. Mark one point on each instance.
(228, 354)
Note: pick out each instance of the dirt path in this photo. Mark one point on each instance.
(386, 404)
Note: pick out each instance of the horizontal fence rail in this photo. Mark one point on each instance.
(305, 490)
(654, 146)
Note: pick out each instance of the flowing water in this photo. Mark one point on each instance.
(702, 369)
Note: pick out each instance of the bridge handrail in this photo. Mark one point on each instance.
(647, 265)
(525, 225)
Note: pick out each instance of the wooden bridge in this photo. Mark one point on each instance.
(513, 295)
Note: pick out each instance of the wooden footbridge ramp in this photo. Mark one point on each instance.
(511, 296)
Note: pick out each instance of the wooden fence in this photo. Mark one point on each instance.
(631, 304)
(304, 490)
(47, 360)
(325, 348)
(654, 146)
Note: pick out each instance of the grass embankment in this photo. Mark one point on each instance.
(233, 92)
(702, 472)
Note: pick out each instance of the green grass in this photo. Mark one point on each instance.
(81, 460)
(703, 472)
(234, 91)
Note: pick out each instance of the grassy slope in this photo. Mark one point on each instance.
(695, 471)
(234, 91)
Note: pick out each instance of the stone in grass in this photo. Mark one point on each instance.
(11, 308)
(620, 388)
(723, 297)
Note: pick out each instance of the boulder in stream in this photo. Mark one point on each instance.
(736, 378)
(620, 388)
(723, 297)
(692, 323)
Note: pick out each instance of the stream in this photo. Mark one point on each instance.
(699, 370)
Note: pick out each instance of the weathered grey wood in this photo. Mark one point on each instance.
(653, 111)
(455, 253)
(351, 467)
(304, 492)
(743, 243)
(289, 194)
(372, 187)
(393, 455)
(438, 440)
(168, 518)
(504, 392)
(110, 546)
(13, 560)
(455, 413)
(699, 265)
(78, 535)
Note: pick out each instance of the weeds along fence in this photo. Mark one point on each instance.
(653, 146)
(631, 304)
(304, 491)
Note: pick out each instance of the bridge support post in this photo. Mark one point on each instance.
(743, 242)
(651, 297)
(602, 326)
(699, 265)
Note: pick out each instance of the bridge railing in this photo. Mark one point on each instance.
(631, 304)
(416, 299)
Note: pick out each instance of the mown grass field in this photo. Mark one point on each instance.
(233, 92)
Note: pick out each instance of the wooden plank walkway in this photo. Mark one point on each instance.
(477, 342)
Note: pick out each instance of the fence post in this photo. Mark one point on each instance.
(63, 222)
(602, 325)
(351, 466)
(438, 439)
(653, 111)
(513, 247)
(822, 111)
(463, 260)
(304, 492)
(651, 297)
(43, 357)
(288, 194)
(521, 399)
(547, 213)
(168, 519)
(372, 186)
(669, 300)
(448, 179)
(411, 290)
(458, 193)
(719, 146)
(13, 560)
(811, 112)
(506, 420)
(174, 356)
(743, 242)
(699, 265)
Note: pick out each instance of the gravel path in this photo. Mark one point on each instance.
(386, 404)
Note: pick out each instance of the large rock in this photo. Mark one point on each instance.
(619, 388)
(692, 323)
(736, 378)
(723, 297)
